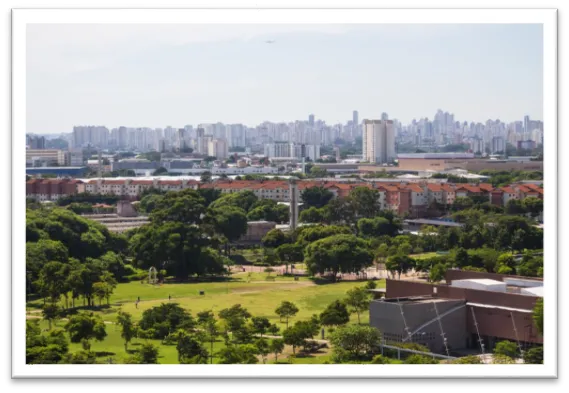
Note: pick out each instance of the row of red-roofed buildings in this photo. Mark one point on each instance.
(412, 198)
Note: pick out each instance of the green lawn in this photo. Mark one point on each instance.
(259, 296)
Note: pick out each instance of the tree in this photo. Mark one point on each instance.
(229, 221)
(506, 348)
(297, 335)
(316, 197)
(205, 177)
(289, 253)
(515, 206)
(148, 354)
(355, 340)
(206, 320)
(437, 272)
(262, 348)
(275, 238)
(502, 359)
(277, 347)
(51, 312)
(335, 314)
(318, 172)
(238, 354)
(537, 315)
(286, 310)
(190, 350)
(312, 215)
(160, 171)
(399, 264)
(260, 325)
(44, 349)
(236, 318)
(533, 205)
(533, 355)
(462, 203)
(377, 226)
(164, 319)
(85, 326)
(365, 202)
(338, 254)
(358, 300)
(128, 329)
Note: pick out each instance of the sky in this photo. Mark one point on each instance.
(176, 75)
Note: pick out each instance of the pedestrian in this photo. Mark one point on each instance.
(139, 298)
(136, 304)
(169, 297)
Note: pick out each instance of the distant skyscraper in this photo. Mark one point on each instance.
(526, 123)
(355, 119)
(311, 120)
(384, 116)
(378, 141)
(498, 145)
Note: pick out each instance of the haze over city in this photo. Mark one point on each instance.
(154, 76)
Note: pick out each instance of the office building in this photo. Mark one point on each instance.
(218, 148)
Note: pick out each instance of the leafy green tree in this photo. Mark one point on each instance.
(399, 264)
(190, 350)
(335, 314)
(275, 238)
(186, 207)
(44, 349)
(370, 285)
(81, 357)
(149, 202)
(357, 299)
(263, 348)
(338, 254)
(244, 200)
(238, 354)
(148, 354)
(310, 234)
(297, 335)
(51, 312)
(533, 205)
(236, 318)
(260, 325)
(277, 347)
(318, 173)
(128, 328)
(230, 222)
(365, 202)
(533, 355)
(462, 203)
(52, 280)
(506, 348)
(515, 206)
(437, 272)
(355, 340)
(286, 310)
(377, 226)
(312, 215)
(164, 319)
(537, 315)
(289, 253)
(316, 196)
(85, 326)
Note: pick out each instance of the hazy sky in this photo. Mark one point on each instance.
(159, 75)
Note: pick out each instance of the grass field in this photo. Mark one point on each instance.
(254, 292)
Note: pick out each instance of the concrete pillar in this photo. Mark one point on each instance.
(293, 191)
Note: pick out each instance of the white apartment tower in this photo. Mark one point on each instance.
(218, 148)
(378, 141)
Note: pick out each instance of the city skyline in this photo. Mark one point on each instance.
(139, 76)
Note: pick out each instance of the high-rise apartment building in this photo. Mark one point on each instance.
(311, 120)
(218, 148)
(378, 141)
(355, 119)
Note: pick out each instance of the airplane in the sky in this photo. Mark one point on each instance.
(270, 42)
